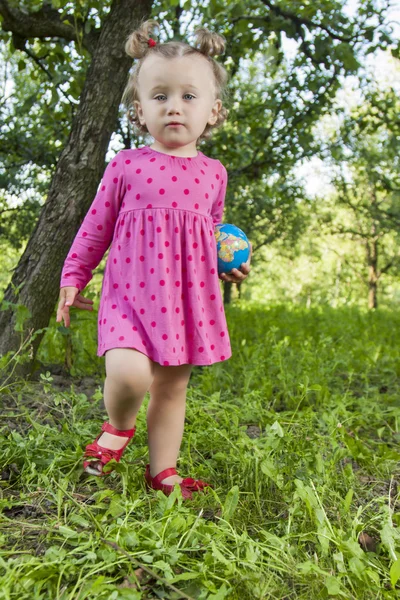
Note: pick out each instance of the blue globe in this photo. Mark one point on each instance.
(233, 247)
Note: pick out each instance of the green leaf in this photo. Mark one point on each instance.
(185, 577)
(395, 572)
(276, 427)
(357, 566)
(333, 586)
(117, 507)
(345, 54)
(231, 502)
(348, 499)
(218, 555)
(338, 558)
(387, 537)
(147, 558)
(269, 469)
(54, 553)
(67, 532)
(309, 567)
(221, 594)
(129, 538)
(396, 52)
(79, 520)
(306, 494)
(353, 548)
(23, 313)
(252, 553)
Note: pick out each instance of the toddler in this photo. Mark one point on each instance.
(161, 310)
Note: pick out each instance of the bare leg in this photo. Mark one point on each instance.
(129, 374)
(166, 417)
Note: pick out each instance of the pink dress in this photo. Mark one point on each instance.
(161, 293)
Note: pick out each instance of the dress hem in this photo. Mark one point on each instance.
(171, 364)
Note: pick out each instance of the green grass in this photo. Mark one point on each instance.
(298, 432)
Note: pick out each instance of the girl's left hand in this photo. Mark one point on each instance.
(236, 275)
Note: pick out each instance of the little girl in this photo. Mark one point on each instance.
(161, 310)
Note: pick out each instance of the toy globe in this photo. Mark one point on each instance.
(233, 247)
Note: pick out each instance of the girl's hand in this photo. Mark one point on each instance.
(70, 296)
(236, 275)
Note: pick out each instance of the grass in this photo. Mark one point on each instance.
(298, 432)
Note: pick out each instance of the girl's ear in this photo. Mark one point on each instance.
(139, 111)
(214, 112)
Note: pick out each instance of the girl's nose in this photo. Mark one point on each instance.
(174, 106)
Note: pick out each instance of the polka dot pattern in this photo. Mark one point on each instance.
(156, 212)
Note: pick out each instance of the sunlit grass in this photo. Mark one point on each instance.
(298, 433)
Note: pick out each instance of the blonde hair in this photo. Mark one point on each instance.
(207, 45)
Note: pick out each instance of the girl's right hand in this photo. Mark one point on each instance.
(70, 296)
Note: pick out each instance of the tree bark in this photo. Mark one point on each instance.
(227, 292)
(373, 274)
(81, 164)
(372, 292)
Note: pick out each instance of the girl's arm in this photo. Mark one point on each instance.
(217, 209)
(96, 231)
(236, 275)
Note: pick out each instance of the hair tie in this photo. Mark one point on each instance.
(151, 42)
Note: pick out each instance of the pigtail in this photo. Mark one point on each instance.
(208, 43)
(137, 45)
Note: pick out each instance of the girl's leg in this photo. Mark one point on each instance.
(166, 417)
(129, 374)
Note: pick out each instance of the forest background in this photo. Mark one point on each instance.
(311, 146)
(300, 430)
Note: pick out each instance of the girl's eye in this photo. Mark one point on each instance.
(162, 96)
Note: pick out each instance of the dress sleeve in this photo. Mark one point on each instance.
(97, 229)
(218, 205)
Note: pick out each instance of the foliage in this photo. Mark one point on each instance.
(364, 157)
(298, 433)
(274, 100)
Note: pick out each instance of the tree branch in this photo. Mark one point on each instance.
(346, 262)
(389, 265)
(37, 60)
(255, 166)
(344, 231)
(298, 21)
(50, 76)
(44, 23)
(394, 218)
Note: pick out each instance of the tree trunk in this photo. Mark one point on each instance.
(373, 275)
(336, 294)
(79, 169)
(372, 289)
(227, 292)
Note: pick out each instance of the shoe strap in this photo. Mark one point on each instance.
(163, 475)
(110, 429)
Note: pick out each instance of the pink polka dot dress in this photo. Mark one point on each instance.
(161, 293)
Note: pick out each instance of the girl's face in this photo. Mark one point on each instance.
(179, 90)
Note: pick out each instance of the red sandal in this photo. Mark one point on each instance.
(187, 485)
(97, 453)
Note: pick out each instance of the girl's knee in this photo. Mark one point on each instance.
(170, 381)
(129, 368)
